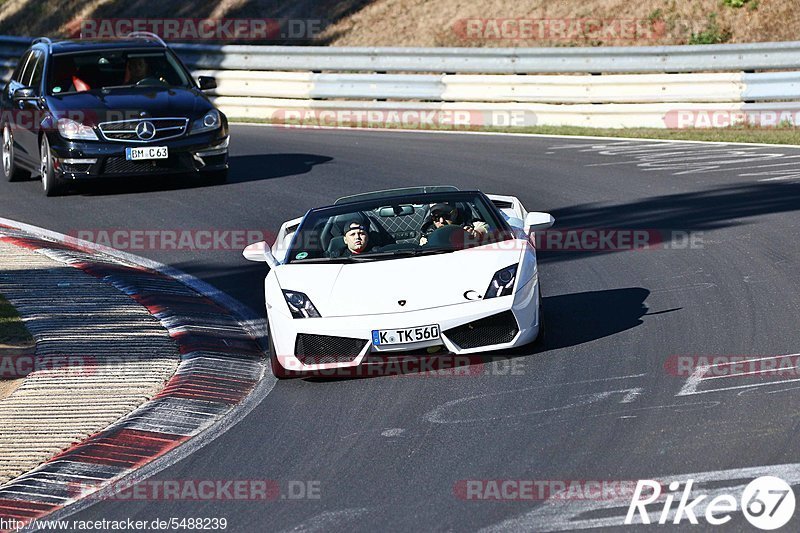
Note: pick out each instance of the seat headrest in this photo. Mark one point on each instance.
(341, 222)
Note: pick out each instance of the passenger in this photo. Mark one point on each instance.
(356, 239)
(444, 214)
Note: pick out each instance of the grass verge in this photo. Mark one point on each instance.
(13, 332)
(729, 135)
(14, 339)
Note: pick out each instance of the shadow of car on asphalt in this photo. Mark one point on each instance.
(243, 168)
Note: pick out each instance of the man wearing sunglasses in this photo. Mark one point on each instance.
(443, 214)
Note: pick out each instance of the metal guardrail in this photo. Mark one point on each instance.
(613, 88)
(665, 59)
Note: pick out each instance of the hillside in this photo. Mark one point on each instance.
(446, 22)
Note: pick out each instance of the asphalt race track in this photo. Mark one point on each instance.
(601, 400)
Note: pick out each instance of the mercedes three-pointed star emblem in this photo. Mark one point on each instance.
(145, 130)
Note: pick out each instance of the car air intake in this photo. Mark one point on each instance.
(495, 329)
(321, 349)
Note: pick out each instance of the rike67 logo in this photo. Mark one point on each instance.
(767, 503)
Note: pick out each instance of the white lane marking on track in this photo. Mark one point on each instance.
(739, 387)
(560, 513)
(686, 159)
(693, 381)
(433, 415)
(782, 175)
(700, 375)
(439, 414)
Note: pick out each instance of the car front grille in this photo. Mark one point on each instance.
(175, 163)
(321, 349)
(125, 130)
(495, 329)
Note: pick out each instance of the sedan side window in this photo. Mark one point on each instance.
(23, 63)
(36, 77)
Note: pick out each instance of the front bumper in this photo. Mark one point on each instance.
(189, 154)
(523, 304)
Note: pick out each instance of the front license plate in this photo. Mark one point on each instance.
(147, 152)
(385, 337)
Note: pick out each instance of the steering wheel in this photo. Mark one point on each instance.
(152, 80)
(449, 236)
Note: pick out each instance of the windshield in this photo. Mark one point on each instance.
(397, 227)
(86, 71)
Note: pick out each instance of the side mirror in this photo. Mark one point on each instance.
(538, 221)
(261, 253)
(207, 82)
(24, 93)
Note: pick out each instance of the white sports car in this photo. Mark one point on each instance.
(430, 269)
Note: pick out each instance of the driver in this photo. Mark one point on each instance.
(136, 70)
(444, 214)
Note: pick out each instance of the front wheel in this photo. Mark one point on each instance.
(51, 185)
(10, 167)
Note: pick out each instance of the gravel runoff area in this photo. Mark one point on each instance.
(98, 356)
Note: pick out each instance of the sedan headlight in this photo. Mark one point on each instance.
(502, 283)
(74, 130)
(299, 305)
(210, 121)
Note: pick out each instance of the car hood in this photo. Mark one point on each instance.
(94, 107)
(377, 287)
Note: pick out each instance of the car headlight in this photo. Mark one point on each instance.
(299, 305)
(502, 283)
(74, 130)
(210, 121)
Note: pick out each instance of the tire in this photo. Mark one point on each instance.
(51, 185)
(277, 370)
(10, 167)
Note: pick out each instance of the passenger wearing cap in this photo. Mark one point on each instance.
(443, 214)
(356, 237)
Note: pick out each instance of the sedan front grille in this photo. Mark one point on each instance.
(175, 163)
(125, 130)
(321, 349)
(496, 329)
